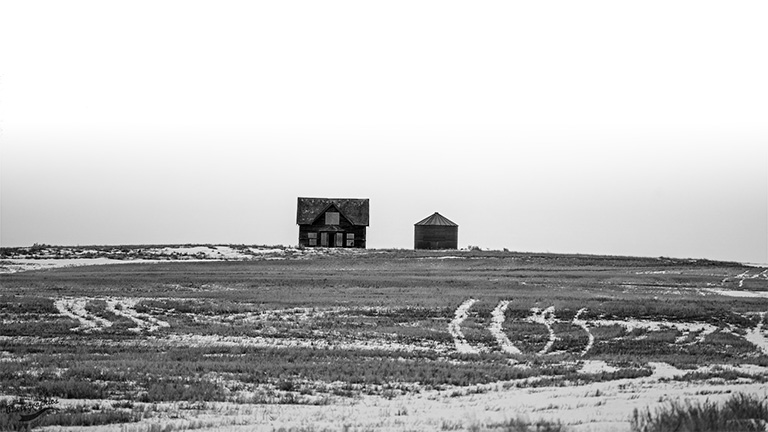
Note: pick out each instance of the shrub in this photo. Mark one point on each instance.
(71, 389)
(78, 415)
(177, 389)
(740, 413)
(522, 425)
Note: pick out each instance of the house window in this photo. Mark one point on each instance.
(332, 218)
(312, 239)
(350, 240)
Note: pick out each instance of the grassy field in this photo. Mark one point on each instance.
(301, 340)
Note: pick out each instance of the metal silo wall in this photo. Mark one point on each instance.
(435, 237)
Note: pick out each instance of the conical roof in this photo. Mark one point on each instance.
(436, 219)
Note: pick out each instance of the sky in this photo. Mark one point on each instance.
(598, 127)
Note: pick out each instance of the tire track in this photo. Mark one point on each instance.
(547, 318)
(143, 321)
(741, 278)
(75, 308)
(583, 324)
(756, 335)
(744, 276)
(455, 328)
(497, 321)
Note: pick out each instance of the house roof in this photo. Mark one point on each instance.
(354, 209)
(436, 219)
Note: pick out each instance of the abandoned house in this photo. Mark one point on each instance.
(435, 232)
(332, 222)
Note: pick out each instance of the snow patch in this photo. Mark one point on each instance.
(325, 343)
(293, 314)
(658, 272)
(547, 318)
(17, 265)
(757, 336)
(663, 370)
(744, 276)
(737, 293)
(208, 252)
(704, 329)
(747, 369)
(596, 366)
(455, 328)
(257, 251)
(583, 324)
(126, 309)
(75, 308)
(497, 321)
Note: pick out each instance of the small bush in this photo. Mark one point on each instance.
(740, 413)
(71, 389)
(79, 415)
(522, 425)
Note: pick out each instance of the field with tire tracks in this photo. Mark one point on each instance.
(256, 338)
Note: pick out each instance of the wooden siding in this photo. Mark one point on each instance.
(356, 231)
(335, 235)
(436, 237)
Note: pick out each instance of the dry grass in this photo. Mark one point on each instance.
(740, 413)
(379, 298)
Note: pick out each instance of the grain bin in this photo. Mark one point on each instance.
(435, 232)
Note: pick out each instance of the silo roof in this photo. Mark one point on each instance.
(436, 219)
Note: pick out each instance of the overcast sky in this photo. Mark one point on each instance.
(601, 127)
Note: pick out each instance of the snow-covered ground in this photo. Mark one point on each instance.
(75, 308)
(320, 342)
(598, 406)
(546, 317)
(16, 265)
(73, 256)
(736, 293)
(702, 329)
(595, 407)
(690, 332)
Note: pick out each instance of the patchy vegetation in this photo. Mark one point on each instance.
(314, 328)
(740, 413)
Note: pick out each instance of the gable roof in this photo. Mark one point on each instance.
(436, 219)
(354, 209)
